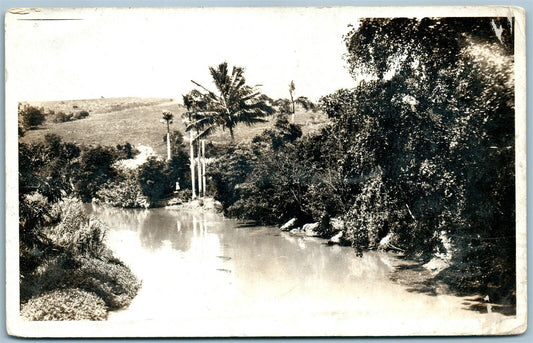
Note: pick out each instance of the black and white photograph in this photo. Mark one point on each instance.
(265, 171)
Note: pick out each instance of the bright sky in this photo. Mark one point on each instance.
(156, 52)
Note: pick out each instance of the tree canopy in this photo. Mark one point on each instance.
(435, 126)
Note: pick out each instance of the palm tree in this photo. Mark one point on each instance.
(291, 92)
(167, 117)
(204, 121)
(189, 103)
(233, 103)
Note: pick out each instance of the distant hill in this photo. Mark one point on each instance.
(113, 121)
(102, 105)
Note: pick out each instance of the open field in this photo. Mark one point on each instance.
(137, 121)
(102, 105)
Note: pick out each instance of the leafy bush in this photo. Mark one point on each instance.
(70, 252)
(34, 211)
(367, 221)
(110, 279)
(158, 178)
(61, 117)
(126, 194)
(95, 170)
(283, 132)
(229, 171)
(30, 117)
(103, 275)
(153, 179)
(73, 231)
(126, 151)
(65, 304)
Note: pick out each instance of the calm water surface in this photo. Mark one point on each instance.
(203, 268)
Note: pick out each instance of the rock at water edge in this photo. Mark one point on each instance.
(288, 225)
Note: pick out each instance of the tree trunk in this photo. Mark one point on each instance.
(203, 166)
(199, 171)
(168, 141)
(191, 154)
(293, 108)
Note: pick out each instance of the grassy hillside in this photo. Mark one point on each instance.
(137, 121)
(102, 105)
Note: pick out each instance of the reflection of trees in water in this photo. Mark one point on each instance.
(118, 218)
(159, 227)
(178, 228)
(155, 226)
(374, 264)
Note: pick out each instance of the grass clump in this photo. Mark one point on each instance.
(65, 304)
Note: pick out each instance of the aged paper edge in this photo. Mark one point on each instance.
(509, 326)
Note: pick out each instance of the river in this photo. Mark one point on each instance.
(206, 275)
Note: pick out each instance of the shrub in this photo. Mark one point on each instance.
(367, 221)
(48, 276)
(95, 169)
(74, 231)
(126, 151)
(65, 304)
(30, 116)
(158, 178)
(61, 117)
(110, 279)
(126, 194)
(104, 276)
(33, 214)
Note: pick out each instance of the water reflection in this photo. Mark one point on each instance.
(201, 265)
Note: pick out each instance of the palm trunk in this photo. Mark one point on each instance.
(293, 108)
(199, 172)
(203, 166)
(191, 155)
(168, 141)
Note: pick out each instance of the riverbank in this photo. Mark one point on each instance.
(207, 204)
(67, 270)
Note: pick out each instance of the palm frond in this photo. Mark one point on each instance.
(211, 94)
(236, 102)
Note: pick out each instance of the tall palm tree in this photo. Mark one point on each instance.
(233, 103)
(291, 92)
(167, 117)
(201, 119)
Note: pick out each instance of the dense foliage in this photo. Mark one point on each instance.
(62, 254)
(421, 150)
(63, 258)
(54, 168)
(442, 136)
(29, 117)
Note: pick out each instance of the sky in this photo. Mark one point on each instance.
(154, 52)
